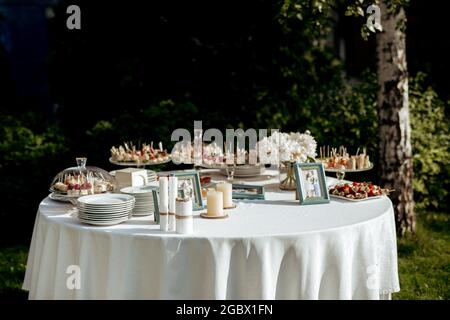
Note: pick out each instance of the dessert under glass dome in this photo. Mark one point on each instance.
(82, 180)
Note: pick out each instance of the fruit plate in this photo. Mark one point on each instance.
(356, 200)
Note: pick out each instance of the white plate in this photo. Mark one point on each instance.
(106, 210)
(142, 214)
(138, 191)
(355, 200)
(103, 223)
(107, 205)
(95, 217)
(106, 214)
(144, 210)
(103, 219)
(106, 199)
(143, 204)
(62, 198)
(147, 209)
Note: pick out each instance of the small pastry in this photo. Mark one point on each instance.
(367, 162)
(60, 187)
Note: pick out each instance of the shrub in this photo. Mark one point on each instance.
(431, 141)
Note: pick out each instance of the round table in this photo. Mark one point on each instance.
(266, 249)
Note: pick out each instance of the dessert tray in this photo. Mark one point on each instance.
(74, 182)
(142, 155)
(341, 162)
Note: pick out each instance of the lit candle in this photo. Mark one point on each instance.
(163, 203)
(227, 190)
(214, 205)
(173, 193)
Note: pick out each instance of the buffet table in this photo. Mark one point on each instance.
(266, 249)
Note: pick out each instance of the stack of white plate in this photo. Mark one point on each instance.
(105, 209)
(247, 170)
(144, 205)
(151, 175)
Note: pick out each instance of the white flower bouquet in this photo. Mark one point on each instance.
(282, 147)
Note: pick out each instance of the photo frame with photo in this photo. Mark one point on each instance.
(189, 184)
(311, 183)
(250, 192)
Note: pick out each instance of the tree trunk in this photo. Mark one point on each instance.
(393, 111)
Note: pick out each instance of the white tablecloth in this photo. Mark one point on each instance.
(272, 249)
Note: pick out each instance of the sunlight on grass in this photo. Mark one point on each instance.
(424, 260)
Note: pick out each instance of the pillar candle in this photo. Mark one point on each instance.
(227, 190)
(214, 204)
(163, 203)
(184, 220)
(173, 193)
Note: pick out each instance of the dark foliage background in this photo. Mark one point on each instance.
(139, 72)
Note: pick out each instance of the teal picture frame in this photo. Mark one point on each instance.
(155, 193)
(307, 190)
(192, 175)
(260, 195)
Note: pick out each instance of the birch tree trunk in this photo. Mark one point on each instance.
(393, 111)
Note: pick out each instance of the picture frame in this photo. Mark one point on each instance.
(155, 193)
(246, 191)
(311, 183)
(191, 180)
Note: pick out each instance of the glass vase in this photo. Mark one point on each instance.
(287, 176)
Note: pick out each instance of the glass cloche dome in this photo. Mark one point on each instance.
(82, 180)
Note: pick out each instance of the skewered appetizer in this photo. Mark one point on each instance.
(358, 190)
(334, 159)
(80, 185)
(145, 154)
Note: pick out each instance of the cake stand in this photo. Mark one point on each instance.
(340, 173)
(138, 164)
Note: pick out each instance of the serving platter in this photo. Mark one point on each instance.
(139, 164)
(356, 200)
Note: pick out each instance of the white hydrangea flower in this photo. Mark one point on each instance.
(294, 146)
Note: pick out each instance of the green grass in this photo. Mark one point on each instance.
(424, 263)
(424, 260)
(12, 270)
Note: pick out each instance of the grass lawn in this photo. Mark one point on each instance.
(424, 263)
(424, 260)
